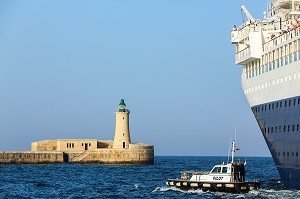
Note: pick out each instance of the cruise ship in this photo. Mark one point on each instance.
(269, 52)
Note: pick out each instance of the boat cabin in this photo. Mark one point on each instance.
(219, 173)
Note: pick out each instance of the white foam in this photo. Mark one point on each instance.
(261, 193)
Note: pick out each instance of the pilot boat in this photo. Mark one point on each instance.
(222, 177)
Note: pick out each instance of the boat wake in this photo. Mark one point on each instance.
(261, 193)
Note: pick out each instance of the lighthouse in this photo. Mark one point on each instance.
(122, 134)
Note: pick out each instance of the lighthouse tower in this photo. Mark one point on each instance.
(122, 135)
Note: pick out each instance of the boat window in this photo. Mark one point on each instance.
(216, 170)
(224, 170)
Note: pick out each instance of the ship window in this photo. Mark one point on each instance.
(272, 105)
(272, 130)
(72, 145)
(269, 106)
(284, 129)
(279, 128)
(288, 129)
(265, 130)
(67, 145)
(294, 102)
(224, 170)
(293, 154)
(276, 129)
(298, 100)
(216, 170)
(283, 154)
(285, 103)
(288, 154)
(268, 129)
(296, 154)
(262, 108)
(289, 102)
(293, 128)
(297, 127)
(280, 104)
(276, 104)
(265, 107)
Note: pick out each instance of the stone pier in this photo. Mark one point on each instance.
(117, 151)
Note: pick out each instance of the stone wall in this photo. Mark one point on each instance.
(73, 145)
(30, 157)
(105, 144)
(44, 152)
(45, 145)
(114, 156)
(138, 154)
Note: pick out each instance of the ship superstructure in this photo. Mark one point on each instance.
(269, 52)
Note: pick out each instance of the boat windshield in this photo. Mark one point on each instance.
(224, 170)
(216, 170)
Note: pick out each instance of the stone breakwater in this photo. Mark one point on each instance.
(30, 157)
(117, 151)
(102, 156)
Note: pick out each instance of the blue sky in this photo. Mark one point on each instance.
(65, 65)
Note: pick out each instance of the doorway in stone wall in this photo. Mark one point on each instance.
(86, 146)
(66, 157)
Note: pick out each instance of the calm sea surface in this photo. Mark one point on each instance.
(98, 181)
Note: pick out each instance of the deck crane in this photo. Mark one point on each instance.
(249, 16)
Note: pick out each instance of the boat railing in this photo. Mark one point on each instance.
(258, 25)
(282, 38)
(243, 53)
(187, 174)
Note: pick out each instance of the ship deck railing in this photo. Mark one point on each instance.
(284, 37)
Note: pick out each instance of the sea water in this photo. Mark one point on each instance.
(147, 181)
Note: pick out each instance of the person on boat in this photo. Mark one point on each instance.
(234, 28)
(235, 172)
(242, 171)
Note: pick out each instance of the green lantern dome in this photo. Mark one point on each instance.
(122, 103)
(122, 106)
